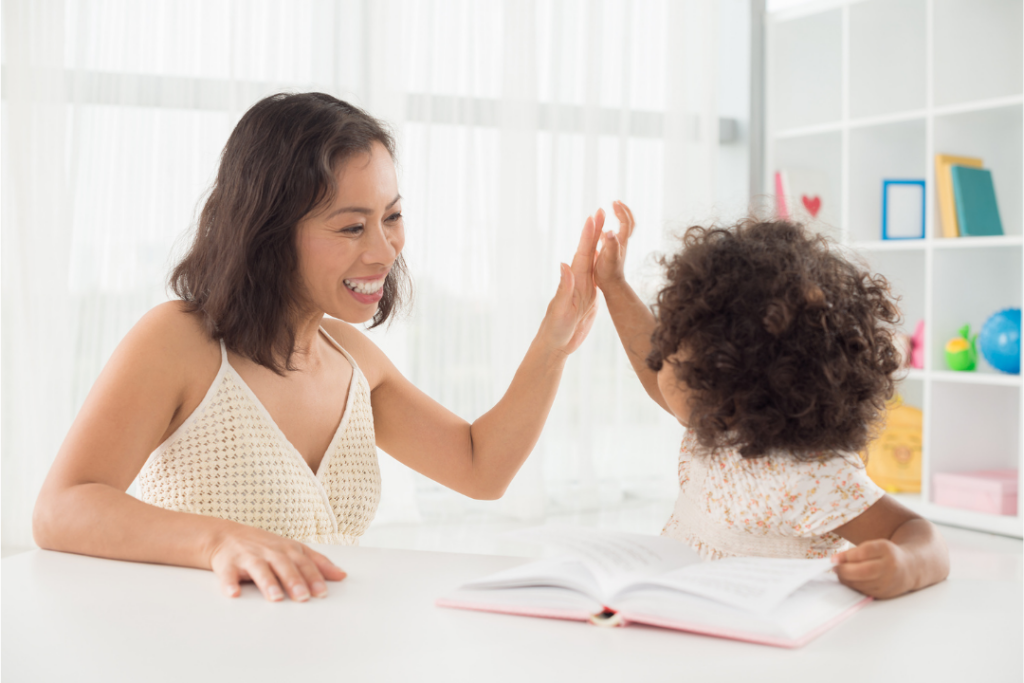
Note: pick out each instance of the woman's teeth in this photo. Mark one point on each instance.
(365, 286)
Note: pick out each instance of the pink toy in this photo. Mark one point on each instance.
(917, 347)
(991, 491)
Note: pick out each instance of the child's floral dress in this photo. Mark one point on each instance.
(775, 506)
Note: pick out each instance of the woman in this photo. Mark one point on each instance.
(250, 409)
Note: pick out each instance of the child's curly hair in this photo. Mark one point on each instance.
(786, 344)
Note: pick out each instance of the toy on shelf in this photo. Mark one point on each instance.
(1000, 341)
(962, 351)
(911, 347)
(902, 209)
(917, 346)
(893, 460)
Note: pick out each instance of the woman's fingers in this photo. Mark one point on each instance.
(230, 582)
(312, 576)
(285, 566)
(328, 569)
(271, 562)
(583, 261)
(311, 579)
(263, 576)
(599, 221)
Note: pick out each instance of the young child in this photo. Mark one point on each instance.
(777, 355)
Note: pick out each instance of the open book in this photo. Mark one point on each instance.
(612, 579)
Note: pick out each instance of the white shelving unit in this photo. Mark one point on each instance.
(866, 90)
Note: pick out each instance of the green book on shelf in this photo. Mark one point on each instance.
(976, 210)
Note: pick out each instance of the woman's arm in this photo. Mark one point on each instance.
(137, 401)
(897, 551)
(480, 459)
(633, 320)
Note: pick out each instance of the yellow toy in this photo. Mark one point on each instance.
(894, 458)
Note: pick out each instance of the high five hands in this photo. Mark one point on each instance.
(598, 262)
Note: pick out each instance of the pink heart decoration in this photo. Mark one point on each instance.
(812, 204)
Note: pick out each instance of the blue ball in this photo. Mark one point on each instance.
(999, 340)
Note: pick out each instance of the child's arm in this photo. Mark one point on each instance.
(897, 551)
(633, 320)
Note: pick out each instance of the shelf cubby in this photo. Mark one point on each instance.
(821, 154)
(894, 151)
(887, 57)
(807, 51)
(973, 427)
(863, 91)
(969, 286)
(995, 136)
(978, 51)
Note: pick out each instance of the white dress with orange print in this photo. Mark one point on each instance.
(774, 506)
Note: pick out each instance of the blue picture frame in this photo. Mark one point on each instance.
(903, 234)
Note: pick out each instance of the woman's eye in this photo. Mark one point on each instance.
(395, 217)
(352, 230)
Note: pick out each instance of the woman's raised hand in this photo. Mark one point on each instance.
(610, 260)
(271, 562)
(571, 313)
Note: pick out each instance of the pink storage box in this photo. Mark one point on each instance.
(991, 491)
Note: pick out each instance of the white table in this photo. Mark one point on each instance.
(73, 618)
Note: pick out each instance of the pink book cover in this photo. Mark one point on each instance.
(678, 625)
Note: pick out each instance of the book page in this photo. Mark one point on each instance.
(614, 558)
(564, 573)
(754, 584)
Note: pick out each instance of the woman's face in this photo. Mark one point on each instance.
(347, 248)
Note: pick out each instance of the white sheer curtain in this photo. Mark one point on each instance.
(515, 120)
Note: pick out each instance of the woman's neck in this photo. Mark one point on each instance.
(306, 349)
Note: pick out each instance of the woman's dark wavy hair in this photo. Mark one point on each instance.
(241, 272)
(786, 344)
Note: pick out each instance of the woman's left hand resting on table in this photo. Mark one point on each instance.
(897, 551)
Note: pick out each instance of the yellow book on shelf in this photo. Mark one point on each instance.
(944, 190)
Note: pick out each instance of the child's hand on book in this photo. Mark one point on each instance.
(878, 568)
(610, 260)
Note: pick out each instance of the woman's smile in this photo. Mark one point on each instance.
(366, 290)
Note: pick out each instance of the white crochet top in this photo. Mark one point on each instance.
(775, 506)
(230, 460)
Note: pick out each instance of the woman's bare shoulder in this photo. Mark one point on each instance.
(172, 336)
(371, 360)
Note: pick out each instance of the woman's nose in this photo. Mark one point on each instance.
(381, 248)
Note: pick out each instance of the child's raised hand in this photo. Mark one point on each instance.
(611, 258)
(878, 568)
